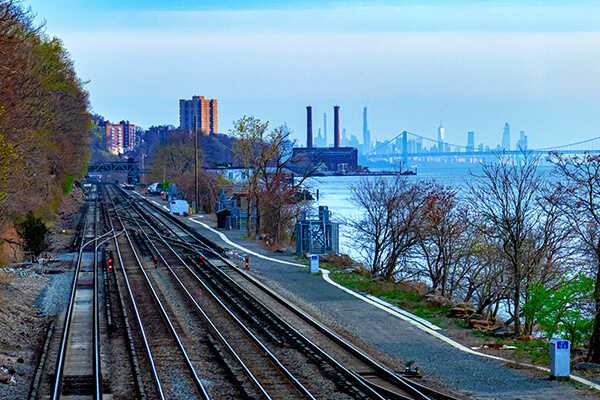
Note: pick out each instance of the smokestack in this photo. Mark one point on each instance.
(337, 136)
(309, 132)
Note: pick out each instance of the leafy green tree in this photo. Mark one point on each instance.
(33, 231)
(564, 310)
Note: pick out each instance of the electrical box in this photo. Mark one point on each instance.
(314, 263)
(560, 358)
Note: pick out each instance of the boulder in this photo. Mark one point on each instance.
(502, 331)
(462, 310)
(481, 324)
(437, 300)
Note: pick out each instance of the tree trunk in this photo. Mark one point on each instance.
(517, 301)
(248, 215)
(257, 224)
(594, 352)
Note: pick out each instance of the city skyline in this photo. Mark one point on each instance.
(473, 67)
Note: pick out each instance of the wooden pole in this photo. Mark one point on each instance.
(196, 194)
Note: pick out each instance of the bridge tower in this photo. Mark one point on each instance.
(404, 150)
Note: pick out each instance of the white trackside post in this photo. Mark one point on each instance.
(314, 263)
(560, 358)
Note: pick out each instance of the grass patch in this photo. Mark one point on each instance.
(531, 351)
(394, 293)
(535, 351)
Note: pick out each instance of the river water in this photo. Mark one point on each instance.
(335, 192)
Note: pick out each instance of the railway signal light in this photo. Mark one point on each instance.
(110, 263)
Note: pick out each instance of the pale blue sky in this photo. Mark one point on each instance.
(471, 64)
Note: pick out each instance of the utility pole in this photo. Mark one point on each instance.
(196, 194)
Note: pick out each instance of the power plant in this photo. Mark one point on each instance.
(327, 160)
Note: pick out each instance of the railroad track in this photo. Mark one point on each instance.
(281, 325)
(258, 371)
(78, 372)
(173, 374)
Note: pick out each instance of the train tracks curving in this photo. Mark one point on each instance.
(275, 344)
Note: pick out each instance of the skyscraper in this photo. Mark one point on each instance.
(325, 129)
(522, 143)
(366, 133)
(506, 137)
(205, 112)
(441, 136)
(319, 141)
(471, 141)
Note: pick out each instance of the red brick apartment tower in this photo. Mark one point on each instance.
(114, 138)
(205, 112)
(119, 137)
(213, 123)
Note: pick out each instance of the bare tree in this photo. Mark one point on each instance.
(251, 133)
(442, 238)
(486, 282)
(386, 231)
(579, 181)
(280, 192)
(504, 197)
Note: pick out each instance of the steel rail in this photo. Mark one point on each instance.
(229, 312)
(138, 318)
(139, 385)
(359, 381)
(201, 387)
(416, 389)
(97, 365)
(60, 361)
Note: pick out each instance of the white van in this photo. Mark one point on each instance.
(153, 188)
(179, 207)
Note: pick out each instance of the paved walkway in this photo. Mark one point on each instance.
(483, 378)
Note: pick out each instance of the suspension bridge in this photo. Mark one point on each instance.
(408, 145)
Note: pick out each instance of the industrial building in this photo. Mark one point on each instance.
(204, 111)
(331, 159)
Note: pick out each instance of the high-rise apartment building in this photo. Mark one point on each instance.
(119, 138)
(471, 141)
(203, 110)
(506, 137)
